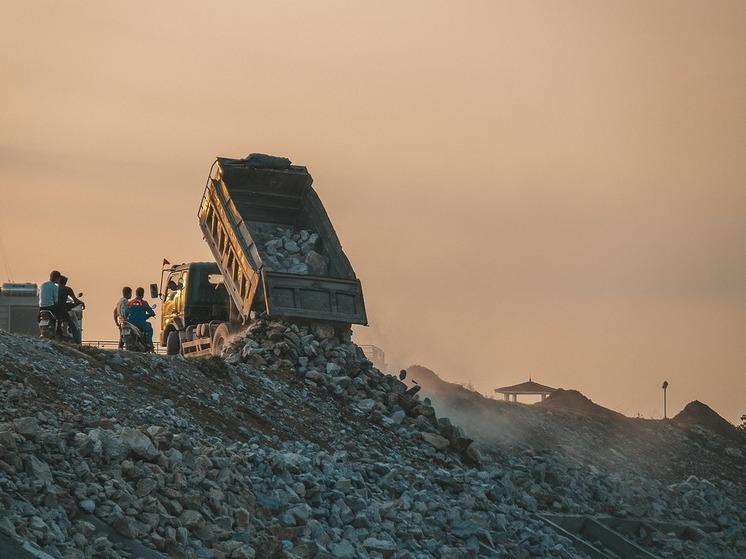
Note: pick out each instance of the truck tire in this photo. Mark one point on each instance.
(219, 339)
(173, 343)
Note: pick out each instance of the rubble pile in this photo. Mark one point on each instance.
(294, 446)
(292, 252)
(327, 358)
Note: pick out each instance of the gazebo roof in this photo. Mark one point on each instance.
(529, 387)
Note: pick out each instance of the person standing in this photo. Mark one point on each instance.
(64, 307)
(120, 311)
(138, 312)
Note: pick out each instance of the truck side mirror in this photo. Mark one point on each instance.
(153, 290)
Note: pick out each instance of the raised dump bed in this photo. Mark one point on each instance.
(259, 213)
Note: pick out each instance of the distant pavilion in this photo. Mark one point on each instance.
(529, 388)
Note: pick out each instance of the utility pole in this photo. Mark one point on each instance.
(665, 385)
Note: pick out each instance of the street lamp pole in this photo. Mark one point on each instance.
(665, 385)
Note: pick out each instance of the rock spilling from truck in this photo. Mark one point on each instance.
(292, 252)
(327, 358)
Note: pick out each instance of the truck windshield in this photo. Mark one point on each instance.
(201, 291)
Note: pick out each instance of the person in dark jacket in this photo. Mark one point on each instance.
(66, 300)
(138, 312)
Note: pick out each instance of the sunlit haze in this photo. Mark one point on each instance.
(551, 190)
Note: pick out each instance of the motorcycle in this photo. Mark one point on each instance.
(54, 327)
(134, 337)
(47, 324)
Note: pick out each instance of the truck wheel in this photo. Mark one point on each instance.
(220, 339)
(173, 344)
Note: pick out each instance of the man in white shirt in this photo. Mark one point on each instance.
(120, 310)
(48, 292)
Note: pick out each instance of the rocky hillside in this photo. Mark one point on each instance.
(572, 429)
(294, 445)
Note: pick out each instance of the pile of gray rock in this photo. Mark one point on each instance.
(291, 446)
(99, 450)
(327, 358)
(293, 252)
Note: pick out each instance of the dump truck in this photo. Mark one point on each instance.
(276, 255)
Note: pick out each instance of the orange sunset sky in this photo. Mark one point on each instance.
(545, 189)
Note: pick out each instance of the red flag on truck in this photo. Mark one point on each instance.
(166, 263)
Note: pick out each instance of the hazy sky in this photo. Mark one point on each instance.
(544, 189)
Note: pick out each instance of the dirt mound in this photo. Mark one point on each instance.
(575, 401)
(702, 415)
(426, 377)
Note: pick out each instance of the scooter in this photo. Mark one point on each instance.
(53, 327)
(134, 338)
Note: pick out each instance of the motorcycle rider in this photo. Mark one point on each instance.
(48, 304)
(138, 312)
(48, 292)
(121, 310)
(63, 307)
